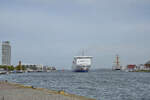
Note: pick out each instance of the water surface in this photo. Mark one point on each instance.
(98, 84)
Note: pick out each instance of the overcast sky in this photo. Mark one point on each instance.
(51, 32)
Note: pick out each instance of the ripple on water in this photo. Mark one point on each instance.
(100, 84)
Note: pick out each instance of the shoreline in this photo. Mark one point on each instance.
(10, 87)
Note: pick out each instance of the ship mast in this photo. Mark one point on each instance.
(83, 52)
(117, 61)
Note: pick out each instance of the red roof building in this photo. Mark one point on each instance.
(131, 66)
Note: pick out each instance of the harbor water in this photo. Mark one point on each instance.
(98, 84)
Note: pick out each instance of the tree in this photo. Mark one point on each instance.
(6, 67)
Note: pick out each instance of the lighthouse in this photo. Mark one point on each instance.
(117, 64)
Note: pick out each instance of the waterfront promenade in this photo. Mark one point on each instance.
(11, 91)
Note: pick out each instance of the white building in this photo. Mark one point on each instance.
(37, 67)
(6, 53)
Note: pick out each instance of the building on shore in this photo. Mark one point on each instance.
(6, 53)
(147, 65)
(140, 67)
(49, 68)
(33, 67)
(37, 68)
(131, 68)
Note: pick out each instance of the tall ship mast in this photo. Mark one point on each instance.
(117, 64)
(82, 63)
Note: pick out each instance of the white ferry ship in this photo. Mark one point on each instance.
(81, 63)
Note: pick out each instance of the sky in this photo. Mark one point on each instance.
(52, 32)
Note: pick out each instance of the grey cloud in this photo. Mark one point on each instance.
(52, 32)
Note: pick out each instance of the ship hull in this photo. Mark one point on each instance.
(81, 68)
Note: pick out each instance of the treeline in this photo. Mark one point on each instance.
(6, 67)
(11, 67)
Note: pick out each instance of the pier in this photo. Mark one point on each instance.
(13, 91)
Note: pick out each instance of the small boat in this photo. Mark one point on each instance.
(3, 72)
(19, 71)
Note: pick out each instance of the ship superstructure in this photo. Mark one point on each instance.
(81, 63)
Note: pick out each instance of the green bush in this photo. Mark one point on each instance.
(20, 67)
(6, 67)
